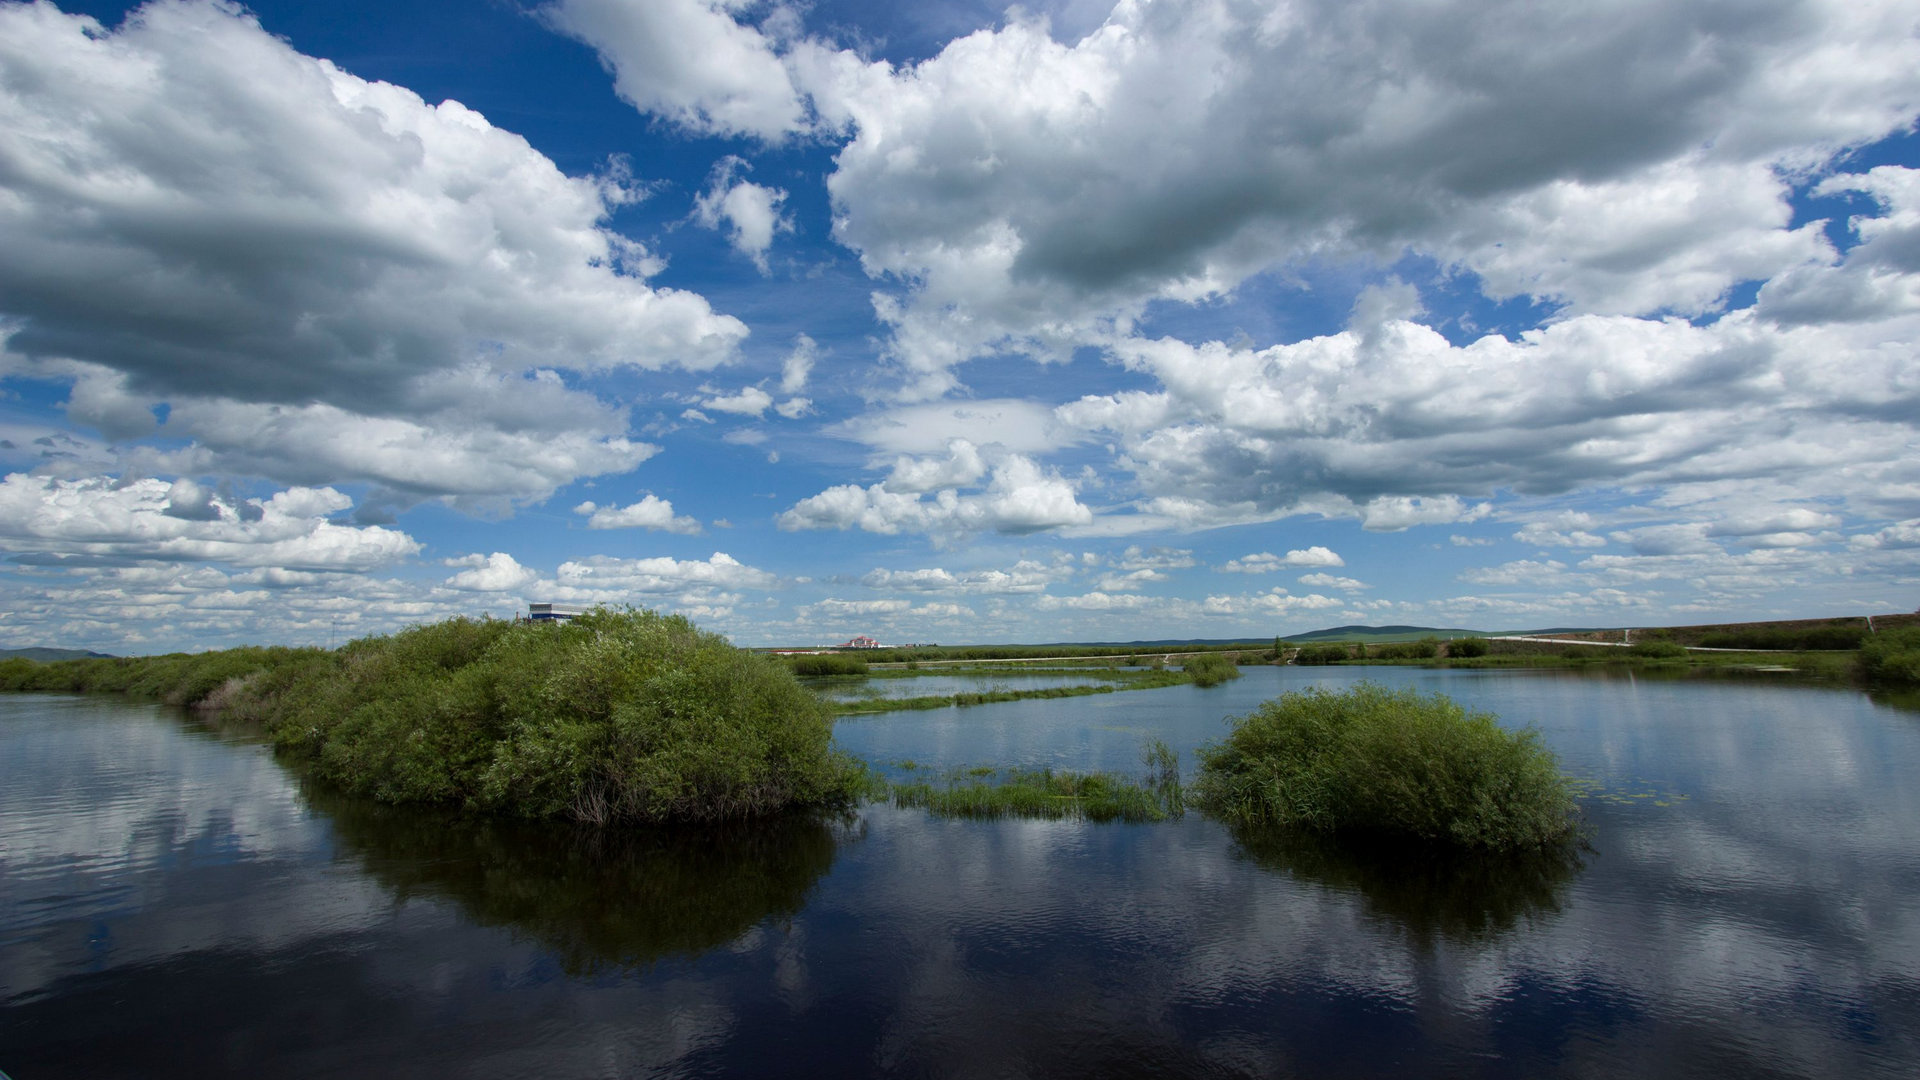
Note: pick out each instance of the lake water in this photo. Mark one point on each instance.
(174, 902)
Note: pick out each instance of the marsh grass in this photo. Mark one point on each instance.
(1053, 794)
(1209, 669)
(1035, 793)
(1115, 680)
(1386, 766)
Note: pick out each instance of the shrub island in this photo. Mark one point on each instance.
(1373, 764)
(616, 716)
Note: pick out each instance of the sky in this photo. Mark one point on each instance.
(945, 321)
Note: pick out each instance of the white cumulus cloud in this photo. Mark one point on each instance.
(651, 512)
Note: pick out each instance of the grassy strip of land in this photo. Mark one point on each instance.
(1119, 680)
(1131, 654)
(1050, 794)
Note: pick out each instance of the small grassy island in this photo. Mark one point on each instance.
(616, 716)
(1396, 766)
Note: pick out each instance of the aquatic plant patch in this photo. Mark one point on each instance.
(1387, 765)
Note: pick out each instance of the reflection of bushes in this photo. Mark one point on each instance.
(1431, 892)
(599, 899)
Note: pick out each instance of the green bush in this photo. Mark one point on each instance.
(1209, 669)
(1657, 650)
(1467, 647)
(1424, 649)
(1368, 762)
(1892, 656)
(1323, 654)
(616, 716)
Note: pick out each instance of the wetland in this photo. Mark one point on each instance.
(1747, 901)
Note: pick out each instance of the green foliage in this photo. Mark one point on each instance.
(1657, 650)
(1209, 669)
(1467, 647)
(1037, 793)
(616, 716)
(1424, 649)
(1892, 656)
(1386, 764)
(826, 664)
(1789, 639)
(1323, 654)
(209, 679)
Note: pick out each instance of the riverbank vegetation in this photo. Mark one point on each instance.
(1051, 794)
(1375, 764)
(1114, 680)
(826, 665)
(1209, 669)
(1892, 657)
(616, 716)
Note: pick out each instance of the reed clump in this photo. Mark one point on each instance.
(1388, 765)
(1209, 669)
(1054, 794)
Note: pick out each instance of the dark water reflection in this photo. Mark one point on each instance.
(1431, 895)
(173, 902)
(598, 900)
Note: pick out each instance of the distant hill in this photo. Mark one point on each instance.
(43, 654)
(1382, 633)
(1166, 643)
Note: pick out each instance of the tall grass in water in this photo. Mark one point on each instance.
(1387, 765)
(1209, 669)
(1046, 793)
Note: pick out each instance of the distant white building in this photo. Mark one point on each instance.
(551, 613)
(861, 642)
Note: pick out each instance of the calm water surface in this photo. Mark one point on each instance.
(174, 902)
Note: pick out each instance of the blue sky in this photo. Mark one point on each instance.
(955, 322)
